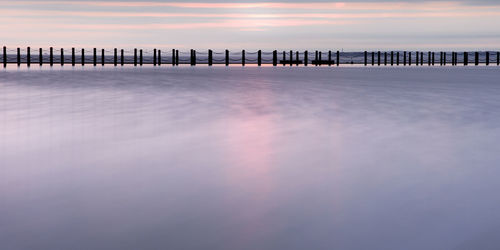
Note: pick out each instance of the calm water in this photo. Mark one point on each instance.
(250, 158)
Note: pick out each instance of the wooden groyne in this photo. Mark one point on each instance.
(174, 57)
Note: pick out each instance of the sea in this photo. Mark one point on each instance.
(149, 158)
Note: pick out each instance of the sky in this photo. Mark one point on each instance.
(253, 24)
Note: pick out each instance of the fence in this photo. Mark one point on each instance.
(158, 57)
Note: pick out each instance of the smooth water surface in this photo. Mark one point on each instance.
(250, 158)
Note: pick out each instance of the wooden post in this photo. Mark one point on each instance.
(429, 58)
(397, 58)
(385, 58)
(498, 58)
(466, 58)
(194, 57)
(441, 58)
(320, 59)
(259, 58)
(243, 58)
(433, 58)
(210, 57)
(379, 58)
(409, 58)
(476, 58)
(40, 56)
(316, 58)
(154, 57)
(103, 57)
(306, 58)
(73, 57)
(115, 57)
(373, 58)
(338, 58)
(275, 58)
(487, 58)
(135, 57)
(366, 58)
(122, 57)
(18, 57)
(404, 58)
(173, 57)
(176, 57)
(62, 57)
(444, 58)
(227, 57)
(296, 58)
(140, 57)
(329, 58)
(28, 56)
(284, 58)
(418, 54)
(51, 57)
(83, 57)
(95, 57)
(392, 58)
(4, 56)
(291, 58)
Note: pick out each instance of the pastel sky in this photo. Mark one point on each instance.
(251, 24)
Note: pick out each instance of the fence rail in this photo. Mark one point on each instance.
(174, 57)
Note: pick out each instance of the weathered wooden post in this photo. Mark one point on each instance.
(466, 58)
(176, 57)
(379, 58)
(135, 57)
(476, 58)
(115, 57)
(194, 57)
(51, 56)
(103, 57)
(122, 57)
(306, 58)
(284, 58)
(417, 57)
(397, 58)
(243, 58)
(320, 59)
(154, 57)
(409, 58)
(4, 56)
(316, 58)
(259, 58)
(338, 58)
(444, 58)
(404, 58)
(487, 58)
(385, 58)
(95, 57)
(210, 57)
(73, 57)
(275, 58)
(227, 57)
(366, 58)
(62, 57)
(140, 57)
(291, 58)
(373, 58)
(429, 58)
(18, 57)
(441, 58)
(28, 56)
(498, 58)
(329, 58)
(173, 57)
(296, 58)
(392, 58)
(40, 56)
(83, 57)
(433, 58)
